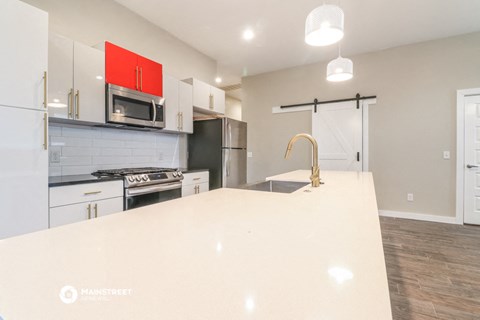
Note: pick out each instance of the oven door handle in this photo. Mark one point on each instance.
(151, 189)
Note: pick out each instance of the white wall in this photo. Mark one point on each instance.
(233, 108)
(411, 125)
(84, 150)
(94, 21)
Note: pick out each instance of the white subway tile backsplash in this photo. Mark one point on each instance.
(54, 131)
(69, 141)
(84, 150)
(75, 161)
(77, 133)
(102, 143)
(139, 144)
(55, 171)
(115, 152)
(110, 160)
(73, 170)
(76, 151)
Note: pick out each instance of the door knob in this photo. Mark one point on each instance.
(469, 166)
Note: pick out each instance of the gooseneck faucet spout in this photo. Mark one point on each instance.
(315, 177)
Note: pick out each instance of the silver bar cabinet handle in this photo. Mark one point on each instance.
(77, 108)
(470, 166)
(45, 82)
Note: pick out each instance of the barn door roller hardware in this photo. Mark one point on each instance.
(315, 102)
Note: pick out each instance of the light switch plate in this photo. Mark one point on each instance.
(249, 154)
(446, 155)
(410, 197)
(55, 156)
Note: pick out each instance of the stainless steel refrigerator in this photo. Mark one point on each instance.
(219, 145)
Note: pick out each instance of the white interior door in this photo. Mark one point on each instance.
(337, 127)
(472, 161)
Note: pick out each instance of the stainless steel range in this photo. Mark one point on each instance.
(145, 186)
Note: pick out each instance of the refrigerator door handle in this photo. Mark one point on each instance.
(229, 126)
(228, 162)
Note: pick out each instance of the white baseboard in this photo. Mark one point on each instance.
(418, 216)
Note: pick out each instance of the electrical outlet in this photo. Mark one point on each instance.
(446, 155)
(55, 156)
(249, 154)
(410, 197)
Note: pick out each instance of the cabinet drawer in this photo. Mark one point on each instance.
(65, 195)
(194, 189)
(195, 178)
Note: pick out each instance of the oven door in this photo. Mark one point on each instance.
(126, 106)
(143, 196)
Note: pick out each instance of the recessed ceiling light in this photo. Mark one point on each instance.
(218, 80)
(248, 34)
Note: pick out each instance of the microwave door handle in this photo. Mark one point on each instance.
(154, 106)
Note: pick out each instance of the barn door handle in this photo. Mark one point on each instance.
(470, 166)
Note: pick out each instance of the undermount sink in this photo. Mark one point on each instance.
(275, 186)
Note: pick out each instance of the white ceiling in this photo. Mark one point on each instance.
(214, 27)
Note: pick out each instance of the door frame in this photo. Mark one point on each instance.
(460, 165)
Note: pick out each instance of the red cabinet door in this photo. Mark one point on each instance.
(121, 67)
(151, 77)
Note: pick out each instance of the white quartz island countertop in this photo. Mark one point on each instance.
(226, 254)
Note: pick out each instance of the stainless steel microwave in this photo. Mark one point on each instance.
(131, 107)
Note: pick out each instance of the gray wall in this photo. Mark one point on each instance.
(94, 21)
(233, 108)
(411, 125)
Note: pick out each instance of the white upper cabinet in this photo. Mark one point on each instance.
(218, 102)
(206, 98)
(24, 47)
(60, 70)
(76, 82)
(178, 105)
(170, 93)
(89, 83)
(185, 106)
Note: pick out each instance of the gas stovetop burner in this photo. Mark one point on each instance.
(136, 177)
(129, 171)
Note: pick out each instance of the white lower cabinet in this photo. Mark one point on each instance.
(84, 201)
(194, 183)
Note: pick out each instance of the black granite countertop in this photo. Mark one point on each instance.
(78, 179)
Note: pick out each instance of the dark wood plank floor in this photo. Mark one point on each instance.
(433, 269)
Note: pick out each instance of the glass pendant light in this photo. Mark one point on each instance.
(340, 69)
(324, 25)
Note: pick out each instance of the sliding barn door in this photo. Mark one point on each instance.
(337, 127)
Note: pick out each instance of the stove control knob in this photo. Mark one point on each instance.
(145, 177)
(174, 174)
(138, 179)
(180, 173)
(131, 179)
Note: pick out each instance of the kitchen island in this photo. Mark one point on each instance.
(226, 254)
